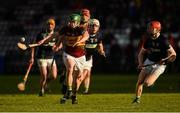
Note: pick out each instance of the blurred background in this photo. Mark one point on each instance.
(123, 24)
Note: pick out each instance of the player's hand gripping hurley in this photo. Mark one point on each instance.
(25, 47)
(159, 62)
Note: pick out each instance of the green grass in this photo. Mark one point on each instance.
(90, 103)
(109, 93)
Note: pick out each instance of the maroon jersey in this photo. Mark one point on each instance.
(157, 49)
(71, 36)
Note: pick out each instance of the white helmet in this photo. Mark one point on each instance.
(94, 22)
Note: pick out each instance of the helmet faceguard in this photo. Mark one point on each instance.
(74, 20)
(85, 14)
(94, 25)
(154, 28)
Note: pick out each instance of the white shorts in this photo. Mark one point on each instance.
(46, 62)
(88, 64)
(79, 62)
(156, 69)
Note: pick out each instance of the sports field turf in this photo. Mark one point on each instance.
(108, 93)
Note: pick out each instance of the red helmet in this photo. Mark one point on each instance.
(155, 24)
(85, 12)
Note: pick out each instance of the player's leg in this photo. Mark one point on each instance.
(87, 73)
(87, 81)
(139, 86)
(141, 78)
(79, 81)
(69, 80)
(52, 73)
(53, 69)
(79, 65)
(42, 64)
(62, 79)
(70, 67)
(82, 78)
(76, 76)
(69, 63)
(157, 71)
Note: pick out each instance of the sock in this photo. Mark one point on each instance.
(86, 89)
(138, 96)
(74, 93)
(70, 88)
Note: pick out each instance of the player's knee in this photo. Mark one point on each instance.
(43, 78)
(139, 83)
(79, 80)
(54, 77)
(148, 84)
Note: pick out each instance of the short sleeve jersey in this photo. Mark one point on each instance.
(45, 50)
(157, 49)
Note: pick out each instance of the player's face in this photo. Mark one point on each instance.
(153, 31)
(73, 24)
(85, 18)
(50, 26)
(94, 28)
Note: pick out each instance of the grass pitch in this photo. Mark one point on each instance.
(90, 103)
(110, 93)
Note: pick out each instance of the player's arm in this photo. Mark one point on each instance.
(48, 38)
(59, 44)
(100, 49)
(141, 57)
(171, 55)
(85, 37)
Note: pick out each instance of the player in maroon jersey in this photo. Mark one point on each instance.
(158, 51)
